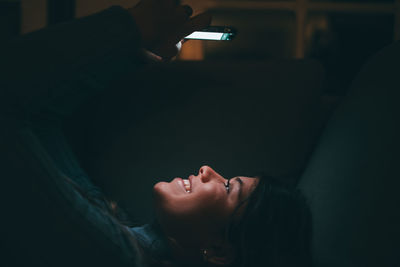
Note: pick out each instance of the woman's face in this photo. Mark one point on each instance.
(197, 209)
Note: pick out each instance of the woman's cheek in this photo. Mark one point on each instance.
(212, 199)
(217, 195)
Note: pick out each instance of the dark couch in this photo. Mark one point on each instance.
(241, 118)
(352, 180)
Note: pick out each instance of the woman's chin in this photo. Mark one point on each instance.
(159, 190)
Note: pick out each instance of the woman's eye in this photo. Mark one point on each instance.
(227, 185)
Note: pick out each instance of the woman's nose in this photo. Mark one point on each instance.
(207, 174)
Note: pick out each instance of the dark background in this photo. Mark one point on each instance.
(341, 38)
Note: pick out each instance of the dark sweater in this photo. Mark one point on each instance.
(54, 215)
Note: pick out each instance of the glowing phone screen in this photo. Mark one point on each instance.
(209, 36)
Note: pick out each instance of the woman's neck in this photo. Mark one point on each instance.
(185, 253)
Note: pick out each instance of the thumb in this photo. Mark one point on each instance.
(167, 51)
(196, 23)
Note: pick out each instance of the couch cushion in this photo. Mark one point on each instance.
(352, 181)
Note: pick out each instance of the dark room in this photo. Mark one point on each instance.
(201, 133)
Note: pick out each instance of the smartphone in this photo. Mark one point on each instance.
(214, 33)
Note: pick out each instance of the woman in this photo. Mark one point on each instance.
(208, 220)
(205, 219)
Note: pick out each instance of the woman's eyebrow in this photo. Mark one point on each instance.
(240, 182)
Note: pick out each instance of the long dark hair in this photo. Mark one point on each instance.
(275, 229)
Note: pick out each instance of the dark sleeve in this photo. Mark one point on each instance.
(51, 72)
(47, 74)
(56, 68)
(50, 223)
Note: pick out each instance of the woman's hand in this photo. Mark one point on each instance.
(164, 23)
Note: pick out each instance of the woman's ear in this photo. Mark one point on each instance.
(223, 254)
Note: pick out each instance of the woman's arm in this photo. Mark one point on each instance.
(55, 69)
(49, 73)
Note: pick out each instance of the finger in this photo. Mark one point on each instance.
(167, 51)
(196, 23)
(188, 10)
(182, 14)
(179, 46)
(152, 57)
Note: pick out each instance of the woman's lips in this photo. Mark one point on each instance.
(185, 184)
(180, 181)
(191, 177)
